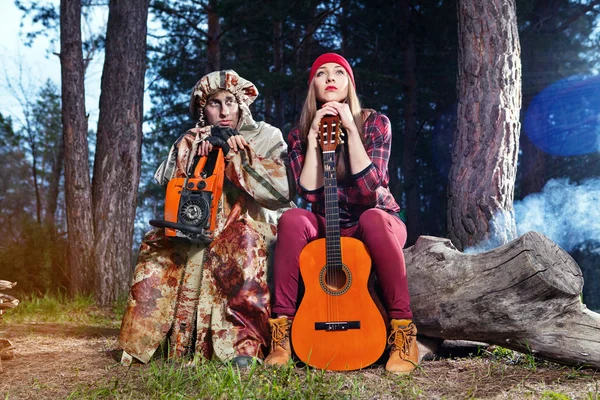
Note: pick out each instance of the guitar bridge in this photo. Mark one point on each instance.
(337, 326)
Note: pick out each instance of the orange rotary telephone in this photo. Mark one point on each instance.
(192, 203)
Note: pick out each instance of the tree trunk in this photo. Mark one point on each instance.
(54, 184)
(213, 51)
(34, 175)
(279, 117)
(117, 164)
(343, 28)
(77, 180)
(523, 296)
(485, 148)
(409, 156)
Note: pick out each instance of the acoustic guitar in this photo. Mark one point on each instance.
(337, 326)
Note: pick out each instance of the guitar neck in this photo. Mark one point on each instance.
(332, 211)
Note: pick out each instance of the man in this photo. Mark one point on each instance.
(218, 291)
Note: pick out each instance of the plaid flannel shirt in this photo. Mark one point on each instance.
(362, 191)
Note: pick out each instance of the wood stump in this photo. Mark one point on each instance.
(523, 296)
(6, 301)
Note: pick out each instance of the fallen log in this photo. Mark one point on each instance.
(7, 285)
(6, 350)
(6, 301)
(524, 296)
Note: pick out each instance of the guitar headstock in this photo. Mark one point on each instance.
(330, 132)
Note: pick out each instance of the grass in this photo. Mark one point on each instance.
(59, 308)
(217, 380)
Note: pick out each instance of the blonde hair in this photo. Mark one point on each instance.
(309, 110)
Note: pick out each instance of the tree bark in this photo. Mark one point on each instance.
(34, 175)
(213, 50)
(409, 156)
(117, 164)
(77, 180)
(54, 184)
(279, 117)
(485, 148)
(524, 296)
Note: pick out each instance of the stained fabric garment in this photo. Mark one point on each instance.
(219, 292)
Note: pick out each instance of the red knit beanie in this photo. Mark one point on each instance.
(334, 58)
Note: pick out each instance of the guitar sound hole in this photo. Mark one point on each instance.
(335, 281)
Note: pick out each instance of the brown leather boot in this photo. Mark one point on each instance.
(404, 354)
(281, 352)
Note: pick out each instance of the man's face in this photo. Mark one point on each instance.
(222, 110)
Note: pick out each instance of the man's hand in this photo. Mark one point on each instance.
(223, 132)
(207, 145)
(232, 137)
(225, 138)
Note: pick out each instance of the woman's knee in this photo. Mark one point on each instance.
(293, 219)
(373, 218)
(378, 221)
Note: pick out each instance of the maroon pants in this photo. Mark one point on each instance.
(383, 234)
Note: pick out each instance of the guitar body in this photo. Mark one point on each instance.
(337, 326)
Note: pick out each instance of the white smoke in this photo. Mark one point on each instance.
(501, 230)
(566, 212)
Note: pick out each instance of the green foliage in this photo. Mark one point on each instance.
(16, 195)
(525, 359)
(35, 259)
(32, 248)
(503, 353)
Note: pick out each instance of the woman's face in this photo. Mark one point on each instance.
(222, 110)
(331, 83)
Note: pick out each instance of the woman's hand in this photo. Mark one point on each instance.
(313, 133)
(346, 117)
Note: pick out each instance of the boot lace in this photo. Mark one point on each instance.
(279, 334)
(400, 339)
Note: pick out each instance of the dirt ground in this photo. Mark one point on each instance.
(52, 361)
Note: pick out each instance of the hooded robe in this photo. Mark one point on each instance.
(214, 300)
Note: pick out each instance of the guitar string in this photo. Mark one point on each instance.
(334, 274)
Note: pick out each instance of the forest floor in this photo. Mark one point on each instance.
(71, 360)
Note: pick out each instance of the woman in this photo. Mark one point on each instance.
(219, 292)
(365, 202)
